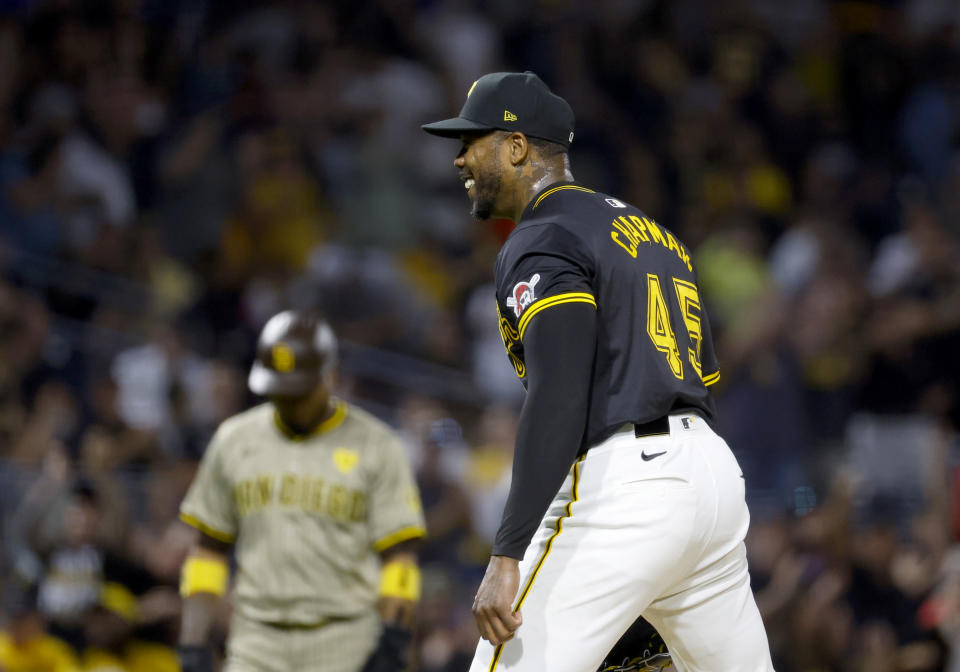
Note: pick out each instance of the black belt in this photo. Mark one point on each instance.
(308, 626)
(658, 427)
(297, 626)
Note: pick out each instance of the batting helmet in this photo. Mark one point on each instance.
(294, 350)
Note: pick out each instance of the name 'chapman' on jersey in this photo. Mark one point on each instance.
(655, 352)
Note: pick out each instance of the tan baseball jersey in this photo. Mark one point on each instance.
(307, 514)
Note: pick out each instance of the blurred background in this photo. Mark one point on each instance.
(173, 172)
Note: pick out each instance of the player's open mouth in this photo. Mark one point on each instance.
(468, 183)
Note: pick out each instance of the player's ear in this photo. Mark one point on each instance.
(519, 148)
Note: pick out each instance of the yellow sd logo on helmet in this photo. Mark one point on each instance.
(283, 358)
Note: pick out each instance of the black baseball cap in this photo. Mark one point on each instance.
(510, 101)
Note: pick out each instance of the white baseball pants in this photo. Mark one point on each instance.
(650, 526)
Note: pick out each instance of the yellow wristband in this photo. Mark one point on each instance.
(400, 579)
(203, 575)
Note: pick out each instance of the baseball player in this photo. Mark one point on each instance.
(319, 504)
(624, 501)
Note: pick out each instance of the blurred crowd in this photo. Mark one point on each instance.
(173, 172)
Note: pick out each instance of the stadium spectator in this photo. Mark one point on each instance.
(173, 173)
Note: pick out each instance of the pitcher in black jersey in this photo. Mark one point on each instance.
(624, 501)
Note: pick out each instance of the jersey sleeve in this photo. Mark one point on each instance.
(396, 513)
(209, 505)
(548, 266)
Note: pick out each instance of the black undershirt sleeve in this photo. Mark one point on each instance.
(559, 346)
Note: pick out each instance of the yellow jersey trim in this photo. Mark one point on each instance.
(560, 188)
(334, 421)
(558, 528)
(537, 306)
(711, 379)
(403, 534)
(225, 537)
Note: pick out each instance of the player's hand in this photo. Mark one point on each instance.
(396, 611)
(392, 652)
(493, 605)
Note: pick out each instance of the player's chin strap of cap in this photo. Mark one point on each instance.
(400, 578)
(202, 574)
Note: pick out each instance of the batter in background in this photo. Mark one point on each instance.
(624, 501)
(319, 503)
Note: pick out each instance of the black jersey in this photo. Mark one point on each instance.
(654, 351)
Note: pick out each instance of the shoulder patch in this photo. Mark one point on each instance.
(523, 295)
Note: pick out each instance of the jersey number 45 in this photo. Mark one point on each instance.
(660, 328)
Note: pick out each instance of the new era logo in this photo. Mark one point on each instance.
(509, 116)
